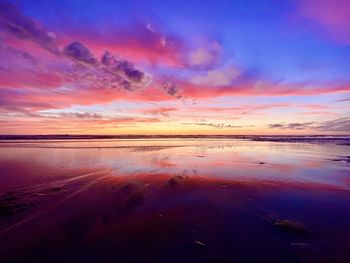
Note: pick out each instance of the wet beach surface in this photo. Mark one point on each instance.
(174, 200)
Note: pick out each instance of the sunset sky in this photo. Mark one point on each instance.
(175, 67)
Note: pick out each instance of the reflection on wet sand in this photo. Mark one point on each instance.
(242, 203)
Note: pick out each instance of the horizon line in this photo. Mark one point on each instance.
(167, 135)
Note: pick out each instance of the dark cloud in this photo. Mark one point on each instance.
(300, 126)
(81, 115)
(215, 125)
(108, 72)
(171, 89)
(22, 27)
(87, 70)
(134, 74)
(292, 126)
(341, 125)
(119, 66)
(276, 125)
(343, 100)
(79, 52)
(337, 125)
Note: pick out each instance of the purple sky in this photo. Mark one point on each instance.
(175, 67)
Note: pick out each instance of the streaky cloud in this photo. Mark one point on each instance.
(19, 26)
(337, 125)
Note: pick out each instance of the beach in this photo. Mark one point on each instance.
(175, 199)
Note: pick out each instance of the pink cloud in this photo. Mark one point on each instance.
(330, 15)
(162, 111)
(260, 88)
(17, 25)
(317, 113)
(137, 42)
(82, 73)
(206, 56)
(218, 77)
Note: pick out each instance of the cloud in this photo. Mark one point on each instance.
(40, 123)
(319, 113)
(254, 86)
(149, 42)
(341, 125)
(330, 16)
(337, 125)
(86, 72)
(220, 77)
(137, 41)
(201, 56)
(80, 53)
(343, 100)
(163, 111)
(80, 75)
(81, 115)
(276, 125)
(108, 72)
(22, 27)
(10, 53)
(206, 57)
(123, 67)
(100, 119)
(293, 126)
(171, 89)
(299, 126)
(214, 125)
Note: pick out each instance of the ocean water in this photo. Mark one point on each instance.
(175, 200)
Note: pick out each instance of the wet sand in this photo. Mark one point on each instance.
(174, 201)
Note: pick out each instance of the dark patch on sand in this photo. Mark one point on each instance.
(291, 226)
(127, 189)
(135, 200)
(173, 182)
(79, 227)
(14, 202)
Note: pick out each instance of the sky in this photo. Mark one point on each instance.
(175, 67)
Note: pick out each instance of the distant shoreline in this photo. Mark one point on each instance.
(93, 136)
(339, 139)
